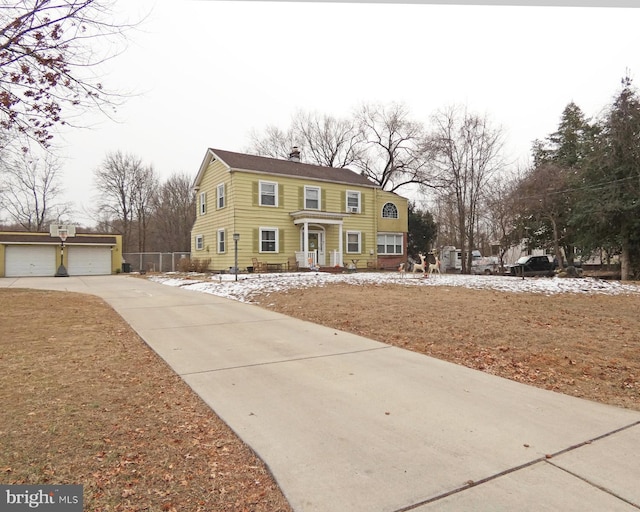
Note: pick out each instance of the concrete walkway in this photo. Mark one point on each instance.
(350, 424)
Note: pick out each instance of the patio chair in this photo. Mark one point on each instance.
(292, 263)
(258, 266)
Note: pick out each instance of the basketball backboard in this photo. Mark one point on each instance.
(63, 231)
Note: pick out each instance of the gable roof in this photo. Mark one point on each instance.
(261, 164)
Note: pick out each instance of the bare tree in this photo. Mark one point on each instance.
(322, 139)
(464, 153)
(502, 210)
(145, 186)
(393, 155)
(30, 190)
(379, 140)
(327, 140)
(173, 215)
(120, 180)
(46, 61)
(545, 201)
(274, 143)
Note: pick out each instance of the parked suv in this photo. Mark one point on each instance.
(532, 266)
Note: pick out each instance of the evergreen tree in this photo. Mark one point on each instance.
(608, 213)
(547, 192)
(422, 230)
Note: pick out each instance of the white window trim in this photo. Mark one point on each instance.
(359, 196)
(275, 190)
(203, 203)
(385, 245)
(222, 239)
(277, 241)
(220, 189)
(199, 242)
(307, 188)
(395, 206)
(359, 234)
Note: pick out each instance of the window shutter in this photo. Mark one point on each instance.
(281, 240)
(323, 200)
(255, 192)
(363, 242)
(280, 196)
(256, 240)
(343, 202)
(362, 209)
(300, 198)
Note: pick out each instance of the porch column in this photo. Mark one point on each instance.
(305, 243)
(340, 262)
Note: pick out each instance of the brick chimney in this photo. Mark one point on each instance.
(294, 156)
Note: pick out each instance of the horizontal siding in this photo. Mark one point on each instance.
(399, 225)
(243, 215)
(208, 224)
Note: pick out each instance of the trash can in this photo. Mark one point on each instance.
(126, 268)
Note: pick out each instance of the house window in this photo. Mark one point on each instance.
(199, 242)
(220, 195)
(353, 242)
(389, 211)
(268, 239)
(312, 198)
(203, 203)
(268, 193)
(390, 243)
(221, 241)
(353, 201)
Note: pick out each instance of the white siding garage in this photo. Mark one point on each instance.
(30, 260)
(88, 260)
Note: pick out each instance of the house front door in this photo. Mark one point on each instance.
(316, 242)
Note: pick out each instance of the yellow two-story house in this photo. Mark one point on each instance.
(276, 214)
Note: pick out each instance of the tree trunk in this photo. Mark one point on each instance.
(625, 257)
(556, 244)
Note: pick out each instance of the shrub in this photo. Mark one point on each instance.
(201, 265)
(193, 265)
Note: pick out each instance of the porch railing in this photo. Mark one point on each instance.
(336, 259)
(308, 260)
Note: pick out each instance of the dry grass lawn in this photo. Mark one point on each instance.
(85, 401)
(582, 345)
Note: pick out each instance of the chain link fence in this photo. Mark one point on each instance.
(155, 261)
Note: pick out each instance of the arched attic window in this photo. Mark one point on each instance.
(389, 211)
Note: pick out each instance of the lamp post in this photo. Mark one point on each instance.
(236, 237)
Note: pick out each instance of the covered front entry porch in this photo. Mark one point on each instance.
(321, 239)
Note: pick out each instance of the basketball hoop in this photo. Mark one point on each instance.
(62, 231)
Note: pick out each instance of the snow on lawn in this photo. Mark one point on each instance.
(249, 285)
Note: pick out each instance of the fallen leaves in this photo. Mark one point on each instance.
(561, 343)
(113, 417)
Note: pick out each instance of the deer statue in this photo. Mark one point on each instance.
(420, 266)
(435, 267)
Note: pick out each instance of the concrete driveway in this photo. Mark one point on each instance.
(350, 424)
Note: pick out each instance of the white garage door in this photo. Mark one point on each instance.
(88, 261)
(30, 260)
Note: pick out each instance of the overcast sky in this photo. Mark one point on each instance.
(206, 73)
